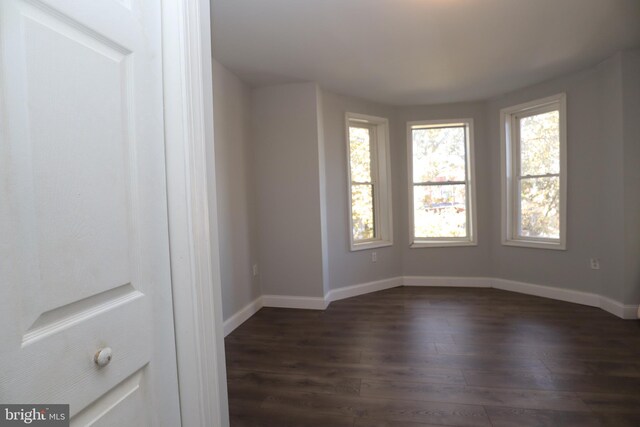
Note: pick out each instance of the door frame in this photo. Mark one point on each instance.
(193, 240)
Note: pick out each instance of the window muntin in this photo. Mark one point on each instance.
(534, 182)
(369, 181)
(441, 185)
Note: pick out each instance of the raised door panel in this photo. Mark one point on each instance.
(82, 159)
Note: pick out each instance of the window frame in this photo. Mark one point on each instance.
(380, 181)
(470, 187)
(510, 170)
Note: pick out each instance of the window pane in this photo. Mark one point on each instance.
(540, 207)
(540, 144)
(439, 210)
(439, 154)
(362, 211)
(360, 154)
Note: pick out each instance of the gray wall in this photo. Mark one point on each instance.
(603, 194)
(348, 268)
(608, 168)
(595, 193)
(450, 261)
(286, 163)
(298, 228)
(570, 268)
(234, 185)
(631, 135)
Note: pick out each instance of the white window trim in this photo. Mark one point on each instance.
(472, 239)
(382, 183)
(509, 195)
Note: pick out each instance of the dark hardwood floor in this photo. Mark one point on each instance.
(417, 357)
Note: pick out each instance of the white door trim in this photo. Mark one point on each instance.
(195, 272)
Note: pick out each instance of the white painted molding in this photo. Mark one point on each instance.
(285, 301)
(578, 297)
(313, 303)
(508, 156)
(381, 173)
(195, 270)
(242, 315)
(629, 312)
(623, 311)
(364, 288)
(457, 282)
(471, 238)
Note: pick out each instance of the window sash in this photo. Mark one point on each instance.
(469, 237)
(440, 183)
(513, 177)
(373, 213)
(518, 177)
(464, 238)
(442, 126)
(518, 208)
(517, 118)
(373, 176)
(380, 179)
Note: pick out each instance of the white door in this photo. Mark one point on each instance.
(84, 254)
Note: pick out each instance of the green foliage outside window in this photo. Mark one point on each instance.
(439, 156)
(362, 186)
(539, 175)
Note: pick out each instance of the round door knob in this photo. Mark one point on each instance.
(103, 357)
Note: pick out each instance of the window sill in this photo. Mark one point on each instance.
(441, 244)
(370, 245)
(557, 246)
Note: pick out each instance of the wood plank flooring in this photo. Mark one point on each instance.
(420, 357)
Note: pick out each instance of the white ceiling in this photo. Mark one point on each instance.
(408, 52)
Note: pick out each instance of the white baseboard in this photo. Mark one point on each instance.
(624, 311)
(578, 297)
(457, 282)
(363, 288)
(242, 315)
(285, 301)
(319, 303)
(313, 303)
